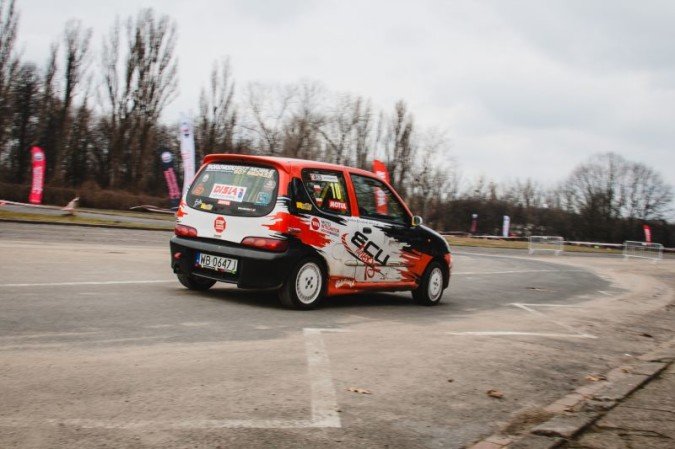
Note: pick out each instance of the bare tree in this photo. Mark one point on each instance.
(25, 93)
(76, 49)
(399, 145)
(217, 113)
(607, 188)
(365, 144)
(268, 108)
(8, 63)
(137, 90)
(300, 129)
(338, 130)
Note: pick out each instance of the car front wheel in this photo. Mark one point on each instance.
(305, 286)
(430, 290)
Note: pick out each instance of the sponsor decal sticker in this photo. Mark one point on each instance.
(337, 205)
(263, 198)
(206, 206)
(205, 177)
(315, 223)
(242, 170)
(345, 283)
(198, 190)
(303, 206)
(247, 209)
(223, 203)
(323, 177)
(368, 252)
(269, 185)
(197, 203)
(228, 192)
(219, 224)
(328, 228)
(166, 157)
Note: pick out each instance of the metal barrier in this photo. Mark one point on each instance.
(643, 250)
(546, 243)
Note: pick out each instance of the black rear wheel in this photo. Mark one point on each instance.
(195, 282)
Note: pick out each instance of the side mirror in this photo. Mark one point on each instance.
(416, 220)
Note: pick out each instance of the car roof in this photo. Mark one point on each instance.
(288, 163)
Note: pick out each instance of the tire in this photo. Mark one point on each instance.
(305, 287)
(430, 290)
(194, 282)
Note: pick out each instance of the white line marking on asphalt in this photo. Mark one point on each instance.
(605, 293)
(324, 400)
(323, 403)
(529, 308)
(473, 273)
(569, 306)
(46, 334)
(15, 346)
(60, 284)
(533, 334)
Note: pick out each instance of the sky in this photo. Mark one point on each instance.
(522, 89)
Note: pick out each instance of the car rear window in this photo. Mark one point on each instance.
(234, 189)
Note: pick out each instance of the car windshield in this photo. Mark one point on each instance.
(234, 189)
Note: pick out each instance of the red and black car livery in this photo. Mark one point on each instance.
(309, 229)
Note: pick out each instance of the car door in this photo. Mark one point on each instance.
(331, 215)
(383, 225)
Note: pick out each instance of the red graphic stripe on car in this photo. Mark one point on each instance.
(283, 223)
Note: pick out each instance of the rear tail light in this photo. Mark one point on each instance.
(265, 243)
(185, 231)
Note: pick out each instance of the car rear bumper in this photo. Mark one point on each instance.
(255, 268)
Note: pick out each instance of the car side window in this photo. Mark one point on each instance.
(375, 200)
(328, 191)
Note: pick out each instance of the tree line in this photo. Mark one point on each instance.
(96, 110)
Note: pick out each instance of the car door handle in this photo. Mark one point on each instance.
(367, 230)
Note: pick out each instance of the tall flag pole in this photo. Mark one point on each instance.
(187, 151)
(39, 166)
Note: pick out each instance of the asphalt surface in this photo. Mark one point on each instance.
(100, 346)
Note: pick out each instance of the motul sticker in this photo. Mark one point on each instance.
(337, 205)
(228, 192)
(219, 224)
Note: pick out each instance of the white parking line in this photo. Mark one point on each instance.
(61, 284)
(323, 403)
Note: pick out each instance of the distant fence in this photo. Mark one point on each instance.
(546, 243)
(643, 250)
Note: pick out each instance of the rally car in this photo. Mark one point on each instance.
(308, 229)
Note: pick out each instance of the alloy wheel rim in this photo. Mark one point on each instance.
(435, 284)
(308, 283)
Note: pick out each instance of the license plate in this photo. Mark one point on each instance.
(216, 263)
